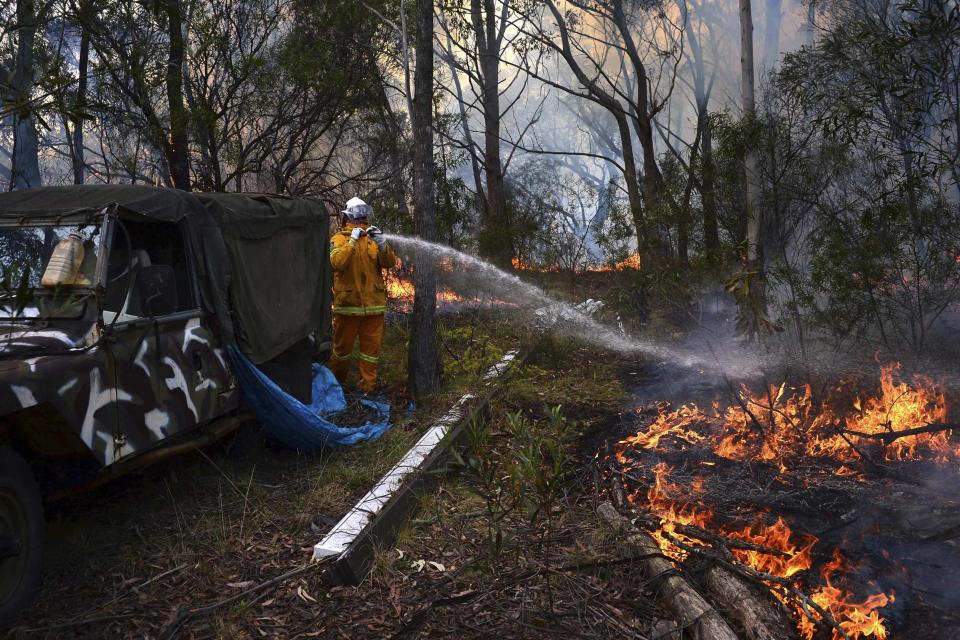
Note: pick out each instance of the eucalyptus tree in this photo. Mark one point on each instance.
(19, 76)
(749, 112)
(624, 57)
(475, 39)
(140, 56)
(881, 86)
(423, 361)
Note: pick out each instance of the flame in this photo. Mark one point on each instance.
(675, 423)
(663, 501)
(783, 426)
(900, 407)
(400, 292)
(856, 619)
(631, 263)
(399, 288)
(792, 555)
(777, 536)
(524, 265)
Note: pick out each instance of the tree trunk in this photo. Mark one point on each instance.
(634, 197)
(711, 236)
(810, 26)
(771, 33)
(654, 188)
(25, 164)
(423, 363)
(497, 239)
(79, 107)
(177, 151)
(711, 239)
(749, 115)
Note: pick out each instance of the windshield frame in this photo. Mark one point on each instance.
(101, 217)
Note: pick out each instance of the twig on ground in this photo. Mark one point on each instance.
(184, 615)
(78, 623)
(697, 532)
(890, 436)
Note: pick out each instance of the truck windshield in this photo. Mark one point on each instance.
(45, 271)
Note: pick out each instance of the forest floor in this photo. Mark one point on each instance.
(507, 541)
(205, 528)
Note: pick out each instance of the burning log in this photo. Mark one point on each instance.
(692, 612)
(757, 617)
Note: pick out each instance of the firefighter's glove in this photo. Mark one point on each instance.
(355, 234)
(377, 236)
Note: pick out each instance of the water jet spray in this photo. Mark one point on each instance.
(467, 274)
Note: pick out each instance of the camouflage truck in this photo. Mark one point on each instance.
(123, 363)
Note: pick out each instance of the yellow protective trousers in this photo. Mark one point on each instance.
(346, 330)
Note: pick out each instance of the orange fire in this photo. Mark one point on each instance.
(400, 292)
(524, 265)
(779, 427)
(857, 619)
(631, 263)
(783, 426)
(901, 406)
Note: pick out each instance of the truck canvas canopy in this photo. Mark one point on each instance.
(260, 260)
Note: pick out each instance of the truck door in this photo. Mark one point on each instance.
(170, 373)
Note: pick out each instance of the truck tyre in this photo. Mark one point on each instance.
(21, 536)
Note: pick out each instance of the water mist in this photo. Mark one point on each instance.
(468, 275)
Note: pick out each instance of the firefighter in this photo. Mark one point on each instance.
(358, 254)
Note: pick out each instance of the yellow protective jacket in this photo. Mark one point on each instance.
(358, 286)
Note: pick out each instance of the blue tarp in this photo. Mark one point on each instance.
(300, 426)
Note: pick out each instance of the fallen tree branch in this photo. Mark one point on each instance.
(691, 611)
(891, 436)
(758, 617)
(693, 531)
(747, 571)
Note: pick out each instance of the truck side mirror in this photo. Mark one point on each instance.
(155, 292)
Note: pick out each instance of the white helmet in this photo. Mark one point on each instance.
(358, 211)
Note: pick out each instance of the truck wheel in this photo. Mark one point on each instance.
(21, 536)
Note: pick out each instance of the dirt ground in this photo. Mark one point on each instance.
(207, 525)
(200, 531)
(506, 543)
